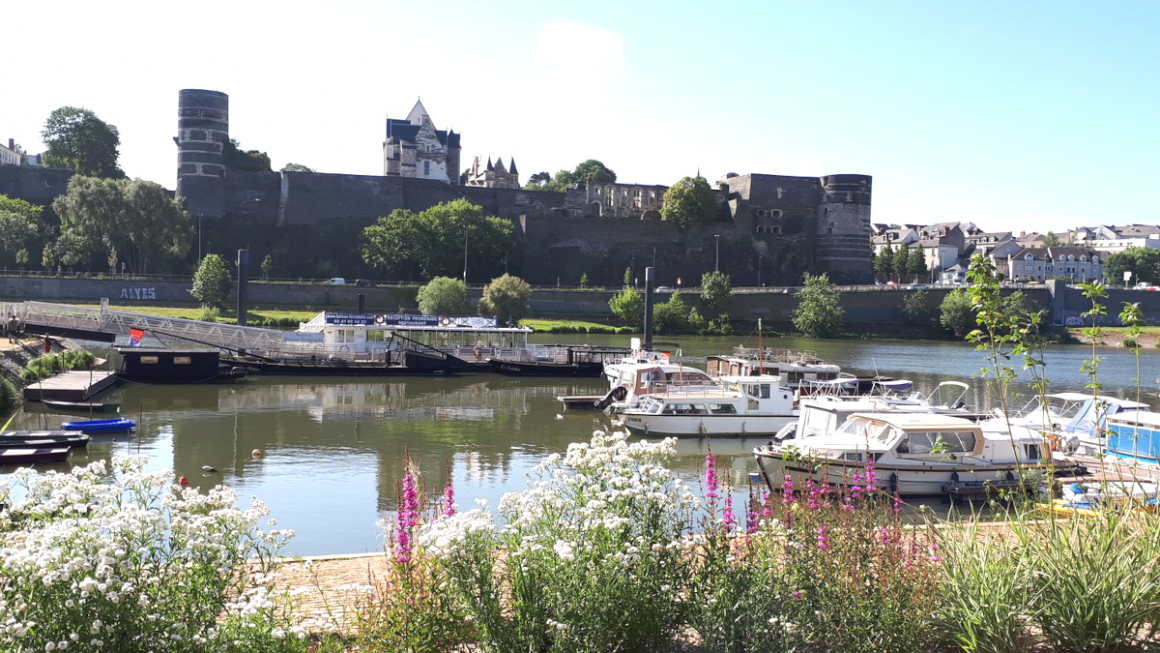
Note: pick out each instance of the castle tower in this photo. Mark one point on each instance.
(844, 229)
(203, 129)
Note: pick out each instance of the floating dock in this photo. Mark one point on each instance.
(580, 401)
(77, 385)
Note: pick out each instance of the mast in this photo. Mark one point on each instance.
(760, 348)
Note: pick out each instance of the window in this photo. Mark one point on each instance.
(375, 336)
(148, 360)
(182, 360)
(722, 409)
(426, 167)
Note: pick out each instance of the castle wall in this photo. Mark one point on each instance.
(35, 185)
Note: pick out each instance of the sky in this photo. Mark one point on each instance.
(1035, 116)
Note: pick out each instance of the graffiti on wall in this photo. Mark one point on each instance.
(138, 293)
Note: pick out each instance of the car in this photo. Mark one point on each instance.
(662, 289)
(338, 281)
(917, 286)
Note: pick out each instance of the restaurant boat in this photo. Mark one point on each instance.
(913, 453)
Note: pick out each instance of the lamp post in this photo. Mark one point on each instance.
(465, 256)
(717, 247)
(199, 238)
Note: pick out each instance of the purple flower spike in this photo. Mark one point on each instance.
(448, 501)
(711, 484)
(406, 518)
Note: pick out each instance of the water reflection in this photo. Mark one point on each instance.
(332, 449)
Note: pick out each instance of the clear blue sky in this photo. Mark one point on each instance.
(1015, 115)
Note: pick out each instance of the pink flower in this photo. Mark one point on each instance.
(407, 517)
(728, 519)
(787, 490)
(796, 594)
(711, 483)
(448, 500)
(822, 541)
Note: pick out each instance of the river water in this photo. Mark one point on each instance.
(332, 448)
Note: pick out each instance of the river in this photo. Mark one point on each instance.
(332, 448)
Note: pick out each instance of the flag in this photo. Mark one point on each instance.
(135, 336)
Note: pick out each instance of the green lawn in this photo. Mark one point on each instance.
(549, 325)
(256, 314)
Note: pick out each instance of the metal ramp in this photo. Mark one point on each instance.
(79, 319)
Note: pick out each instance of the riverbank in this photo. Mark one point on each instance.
(1117, 337)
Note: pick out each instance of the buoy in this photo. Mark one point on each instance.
(559, 416)
(257, 453)
(183, 480)
(208, 468)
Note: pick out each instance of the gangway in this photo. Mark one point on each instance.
(79, 320)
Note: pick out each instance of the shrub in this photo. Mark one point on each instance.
(209, 314)
(628, 305)
(211, 282)
(671, 317)
(128, 561)
(507, 298)
(819, 313)
(444, 296)
(9, 396)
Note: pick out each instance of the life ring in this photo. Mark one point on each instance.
(379, 319)
(664, 355)
(444, 321)
(478, 352)
(344, 349)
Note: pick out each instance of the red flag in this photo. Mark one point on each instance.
(135, 336)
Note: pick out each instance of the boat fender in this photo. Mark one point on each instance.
(256, 453)
(183, 480)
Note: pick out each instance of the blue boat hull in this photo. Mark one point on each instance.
(101, 426)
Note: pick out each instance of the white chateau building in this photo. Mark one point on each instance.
(414, 148)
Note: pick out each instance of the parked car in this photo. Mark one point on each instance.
(662, 289)
(338, 281)
(917, 286)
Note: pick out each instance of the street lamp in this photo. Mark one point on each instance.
(199, 238)
(717, 258)
(465, 256)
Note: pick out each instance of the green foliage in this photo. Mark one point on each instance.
(267, 266)
(16, 230)
(627, 276)
(209, 313)
(557, 184)
(583, 278)
(78, 140)
(212, 283)
(507, 298)
(129, 220)
(248, 161)
(296, 167)
(915, 306)
(819, 311)
(22, 257)
(444, 296)
(48, 256)
(30, 211)
(671, 317)
(900, 263)
(716, 292)
(696, 322)
(433, 241)
(629, 307)
(48, 365)
(9, 396)
(1051, 240)
(1142, 262)
(884, 262)
(916, 264)
(956, 314)
(592, 171)
(689, 201)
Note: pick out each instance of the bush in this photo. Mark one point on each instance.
(671, 318)
(629, 307)
(48, 365)
(209, 314)
(129, 561)
(9, 396)
(444, 296)
(819, 313)
(506, 298)
(211, 282)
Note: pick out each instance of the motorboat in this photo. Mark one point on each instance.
(913, 453)
(824, 413)
(797, 368)
(119, 425)
(1077, 422)
(635, 381)
(1091, 498)
(742, 406)
(1134, 437)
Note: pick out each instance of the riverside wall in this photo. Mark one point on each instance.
(775, 306)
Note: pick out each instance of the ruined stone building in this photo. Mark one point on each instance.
(414, 148)
(493, 175)
(612, 200)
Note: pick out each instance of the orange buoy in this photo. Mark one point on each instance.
(257, 453)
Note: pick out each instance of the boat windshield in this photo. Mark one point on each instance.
(868, 430)
(923, 442)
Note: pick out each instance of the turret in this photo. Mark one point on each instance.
(844, 228)
(203, 129)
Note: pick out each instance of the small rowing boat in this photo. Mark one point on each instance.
(33, 440)
(119, 425)
(85, 406)
(33, 456)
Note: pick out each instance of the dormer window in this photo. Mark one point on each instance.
(1028, 257)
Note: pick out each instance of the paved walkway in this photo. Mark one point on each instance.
(327, 589)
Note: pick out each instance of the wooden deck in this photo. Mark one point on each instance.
(76, 385)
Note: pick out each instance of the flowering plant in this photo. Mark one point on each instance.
(129, 561)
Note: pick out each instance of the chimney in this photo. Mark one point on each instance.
(1022, 234)
(11, 143)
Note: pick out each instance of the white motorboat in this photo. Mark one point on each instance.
(634, 381)
(742, 406)
(1077, 421)
(913, 453)
(797, 369)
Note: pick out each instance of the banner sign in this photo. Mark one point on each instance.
(403, 320)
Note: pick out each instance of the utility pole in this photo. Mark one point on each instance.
(465, 256)
(717, 258)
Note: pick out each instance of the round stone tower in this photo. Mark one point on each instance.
(844, 229)
(203, 129)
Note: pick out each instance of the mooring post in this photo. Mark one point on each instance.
(243, 263)
(649, 278)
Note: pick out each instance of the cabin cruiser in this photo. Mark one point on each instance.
(1076, 421)
(800, 370)
(1134, 437)
(913, 453)
(742, 406)
(636, 381)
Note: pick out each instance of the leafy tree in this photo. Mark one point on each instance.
(583, 278)
(1142, 262)
(244, 161)
(296, 167)
(819, 311)
(211, 283)
(627, 277)
(628, 305)
(433, 240)
(716, 292)
(689, 200)
(30, 211)
(884, 262)
(507, 298)
(1051, 240)
(16, 230)
(915, 306)
(957, 313)
(78, 140)
(129, 220)
(444, 296)
(671, 317)
(917, 262)
(267, 266)
(592, 171)
(48, 256)
(22, 257)
(557, 184)
(901, 261)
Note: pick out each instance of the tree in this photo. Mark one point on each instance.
(78, 140)
(901, 261)
(917, 262)
(507, 298)
(433, 241)
(22, 257)
(884, 262)
(244, 161)
(671, 317)
(915, 307)
(129, 220)
(716, 292)
(30, 211)
(956, 312)
(1142, 262)
(592, 171)
(543, 181)
(16, 230)
(583, 279)
(689, 200)
(819, 311)
(627, 277)
(267, 266)
(48, 256)
(211, 283)
(628, 305)
(296, 167)
(444, 296)
(1051, 240)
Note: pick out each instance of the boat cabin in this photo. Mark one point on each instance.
(794, 367)
(742, 395)
(1134, 435)
(933, 437)
(357, 333)
(152, 364)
